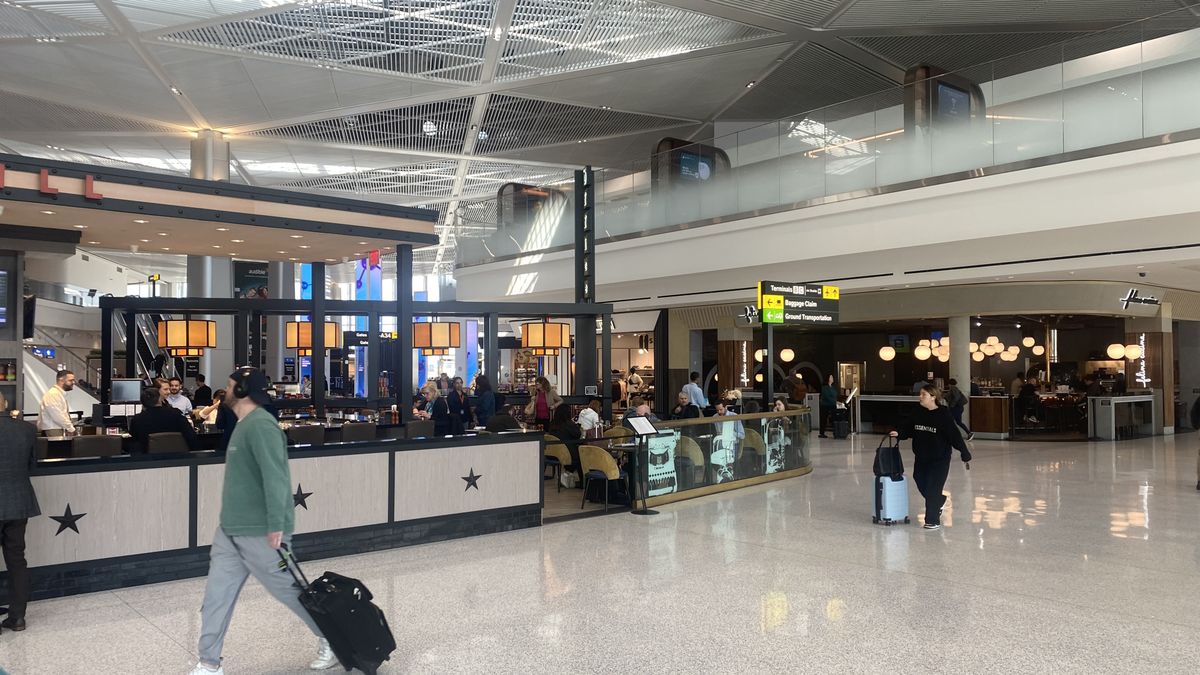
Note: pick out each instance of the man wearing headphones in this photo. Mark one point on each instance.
(256, 519)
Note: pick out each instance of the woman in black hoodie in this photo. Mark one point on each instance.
(933, 434)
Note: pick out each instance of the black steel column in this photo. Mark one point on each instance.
(133, 339)
(769, 362)
(585, 353)
(318, 337)
(585, 237)
(664, 393)
(241, 339)
(585, 281)
(374, 357)
(606, 365)
(106, 355)
(491, 349)
(404, 320)
(255, 353)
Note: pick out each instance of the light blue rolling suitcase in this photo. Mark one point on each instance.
(891, 487)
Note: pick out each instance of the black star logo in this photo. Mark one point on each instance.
(472, 480)
(66, 520)
(299, 498)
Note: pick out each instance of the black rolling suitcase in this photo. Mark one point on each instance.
(356, 629)
(841, 423)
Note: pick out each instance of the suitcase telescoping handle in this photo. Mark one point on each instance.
(285, 556)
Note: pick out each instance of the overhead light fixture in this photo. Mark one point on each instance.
(298, 336)
(222, 229)
(187, 337)
(144, 241)
(973, 347)
(436, 338)
(294, 259)
(429, 128)
(1133, 352)
(140, 221)
(166, 249)
(49, 213)
(305, 246)
(483, 135)
(786, 355)
(296, 236)
(977, 357)
(887, 353)
(362, 243)
(175, 90)
(751, 84)
(1028, 342)
(1038, 350)
(93, 242)
(162, 234)
(922, 352)
(238, 241)
(216, 246)
(546, 338)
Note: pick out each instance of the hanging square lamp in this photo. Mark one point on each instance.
(546, 338)
(436, 338)
(187, 337)
(298, 336)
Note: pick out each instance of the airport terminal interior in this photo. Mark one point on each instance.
(689, 336)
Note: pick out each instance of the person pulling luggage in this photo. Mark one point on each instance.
(256, 520)
(933, 434)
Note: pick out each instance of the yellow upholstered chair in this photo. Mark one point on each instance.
(618, 432)
(598, 464)
(689, 448)
(557, 457)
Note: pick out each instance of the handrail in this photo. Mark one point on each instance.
(75, 363)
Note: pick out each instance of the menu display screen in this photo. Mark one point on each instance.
(953, 104)
(694, 167)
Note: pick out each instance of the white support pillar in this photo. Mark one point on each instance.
(960, 356)
(281, 285)
(210, 156)
(210, 277)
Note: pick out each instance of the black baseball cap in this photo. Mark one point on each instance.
(253, 383)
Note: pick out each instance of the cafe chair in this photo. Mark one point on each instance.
(689, 449)
(557, 459)
(618, 432)
(306, 434)
(419, 429)
(357, 432)
(597, 464)
(96, 446)
(167, 442)
(754, 441)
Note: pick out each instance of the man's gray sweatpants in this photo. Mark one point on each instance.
(233, 560)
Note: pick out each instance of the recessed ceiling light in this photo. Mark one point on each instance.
(166, 249)
(49, 213)
(175, 90)
(144, 241)
(606, 107)
(222, 229)
(93, 242)
(362, 243)
(751, 83)
(140, 221)
(162, 234)
(238, 241)
(429, 128)
(296, 236)
(81, 227)
(293, 259)
(1141, 267)
(305, 246)
(281, 252)
(216, 246)
(330, 260)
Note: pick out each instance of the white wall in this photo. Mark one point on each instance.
(82, 270)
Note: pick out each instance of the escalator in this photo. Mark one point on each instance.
(149, 361)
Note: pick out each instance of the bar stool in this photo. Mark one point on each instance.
(167, 442)
(359, 431)
(96, 446)
(308, 434)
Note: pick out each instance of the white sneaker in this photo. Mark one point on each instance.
(325, 656)
(202, 669)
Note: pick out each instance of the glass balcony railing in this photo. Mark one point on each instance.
(1110, 91)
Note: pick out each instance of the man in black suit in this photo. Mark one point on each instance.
(203, 394)
(156, 419)
(17, 505)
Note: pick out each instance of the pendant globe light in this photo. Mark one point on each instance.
(887, 353)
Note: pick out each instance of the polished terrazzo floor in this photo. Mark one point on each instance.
(1055, 558)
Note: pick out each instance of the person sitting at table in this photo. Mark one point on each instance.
(156, 419)
(684, 408)
(634, 404)
(209, 413)
(562, 426)
(503, 421)
(460, 408)
(589, 417)
(723, 410)
(175, 397)
(164, 390)
(486, 407)
(436, 410)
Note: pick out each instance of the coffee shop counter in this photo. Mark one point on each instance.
(122, 521)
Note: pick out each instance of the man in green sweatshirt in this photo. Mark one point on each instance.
(256, 519)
